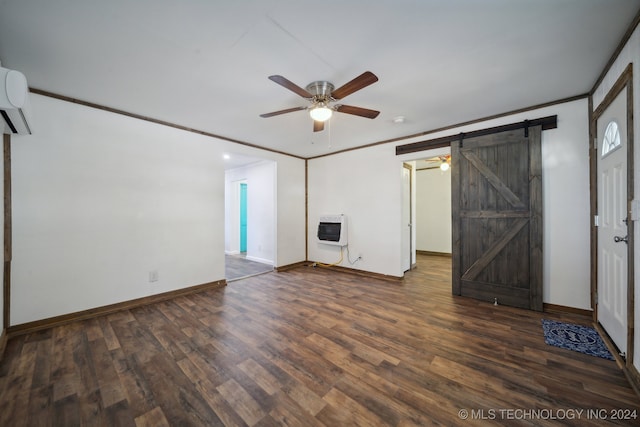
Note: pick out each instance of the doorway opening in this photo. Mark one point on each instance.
(430, 205)
(433, 206)
(250, 219)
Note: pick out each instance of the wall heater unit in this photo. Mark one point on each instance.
(332, 230)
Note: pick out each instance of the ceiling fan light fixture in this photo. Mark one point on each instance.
(321, 113)
(321, 95)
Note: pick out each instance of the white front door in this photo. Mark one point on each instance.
(612, 220)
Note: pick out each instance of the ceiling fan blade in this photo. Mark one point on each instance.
(357, 111)
(318, 126)
(362, 81)
(440, 159)
(291, 86)
(277, 113)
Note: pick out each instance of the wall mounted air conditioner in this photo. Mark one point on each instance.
(14, 103)
(332, 230)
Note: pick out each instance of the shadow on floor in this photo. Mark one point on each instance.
(238, 267)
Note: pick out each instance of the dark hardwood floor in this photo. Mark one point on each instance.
(311, 347)
(238, 267)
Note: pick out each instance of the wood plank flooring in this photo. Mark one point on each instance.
(238, 267)
(310, 347)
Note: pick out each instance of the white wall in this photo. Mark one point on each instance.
(366, 185)
(261, 223)
(630, 54)
(433, 210)
(261, 213)
(100, 200)
(290, 211)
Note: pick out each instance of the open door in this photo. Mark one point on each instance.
(613, 220)
(613, 253)
(497, 217)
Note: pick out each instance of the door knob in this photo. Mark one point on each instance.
(619, 239)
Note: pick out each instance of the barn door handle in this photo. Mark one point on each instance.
(619, 239)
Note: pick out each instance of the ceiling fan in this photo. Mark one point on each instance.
(443, 162)
(322, 94)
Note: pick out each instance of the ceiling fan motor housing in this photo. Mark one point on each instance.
(321, 90)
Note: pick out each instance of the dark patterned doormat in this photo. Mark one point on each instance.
(582, 339)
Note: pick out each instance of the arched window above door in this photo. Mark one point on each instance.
(611, 138)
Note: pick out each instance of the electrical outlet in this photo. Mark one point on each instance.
(153, 276)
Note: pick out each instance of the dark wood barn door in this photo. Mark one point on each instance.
(497, 218)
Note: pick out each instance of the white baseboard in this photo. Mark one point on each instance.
(261, 260)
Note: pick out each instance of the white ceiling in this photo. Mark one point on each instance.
(204, 64)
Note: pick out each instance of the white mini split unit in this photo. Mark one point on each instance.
(14, 103)
(332, 230)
